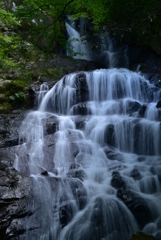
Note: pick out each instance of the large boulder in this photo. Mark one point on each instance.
(137, 205)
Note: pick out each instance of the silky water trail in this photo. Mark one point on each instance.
(94, 161)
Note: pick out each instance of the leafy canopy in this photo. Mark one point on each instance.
(39, 24)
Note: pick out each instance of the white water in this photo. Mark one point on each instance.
(74, 199)
(78, 46)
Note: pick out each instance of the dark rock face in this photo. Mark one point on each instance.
(108, 134)
(15, 190)
(133, 107)
(142, 111)
(50, 125)
(158, 104)
(112, 155)
(81, 109)
(117, 181)
(137, 205)
(66, 209)
(9, 128)
(82, 91)
(135, 174)
(33, 94)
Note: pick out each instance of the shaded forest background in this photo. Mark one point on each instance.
(33, 30)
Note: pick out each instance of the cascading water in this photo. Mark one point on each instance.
(78, 45)
(94, 158)
(99, 49)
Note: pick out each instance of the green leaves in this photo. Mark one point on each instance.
(38, 25)
(8, 41)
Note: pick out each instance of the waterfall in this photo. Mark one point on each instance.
(99, 48)
(94, 158)
(77, 45)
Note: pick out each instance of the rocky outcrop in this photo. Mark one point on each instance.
(14, 195)
(9, 125)
(137, 205)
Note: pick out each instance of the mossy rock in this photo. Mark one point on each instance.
(5, 108)
(142, 236)
(15, 86)
(55, 73)
(3, 98)
(3, 85)
(11, 86)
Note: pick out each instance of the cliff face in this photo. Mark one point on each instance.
(14, 195)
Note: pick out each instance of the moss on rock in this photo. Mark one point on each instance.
(142, 236)
(3, 98)
(5, 108)
(3, 85)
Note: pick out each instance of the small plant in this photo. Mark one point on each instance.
(20, 96)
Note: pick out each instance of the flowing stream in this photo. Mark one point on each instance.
(93, 152)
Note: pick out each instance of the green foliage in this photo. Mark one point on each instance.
(42, 23)
(7, 40)
(140, 17)
(38, 26)
(20, 96)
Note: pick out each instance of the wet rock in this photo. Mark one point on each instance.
(135, 174)
(81, 109)
(142, 111)
(10, 123)
(4, 130)
(80, 121)
(65, 214)
(117, 181)
(154, 79)
(77, 173)
(82, 91)
(158, 104)
(159, 178)
(79, 192)
(33, 94)
(137, 134)
(158, 235)
(112, 155)
(141, 158)
(137, 205)
(50, 125)
(45, 173)
(14, 195)
(133, 107)
(78, 199)
(142, 236)
(108, 134)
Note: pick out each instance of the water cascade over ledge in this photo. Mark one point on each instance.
(93, 152)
